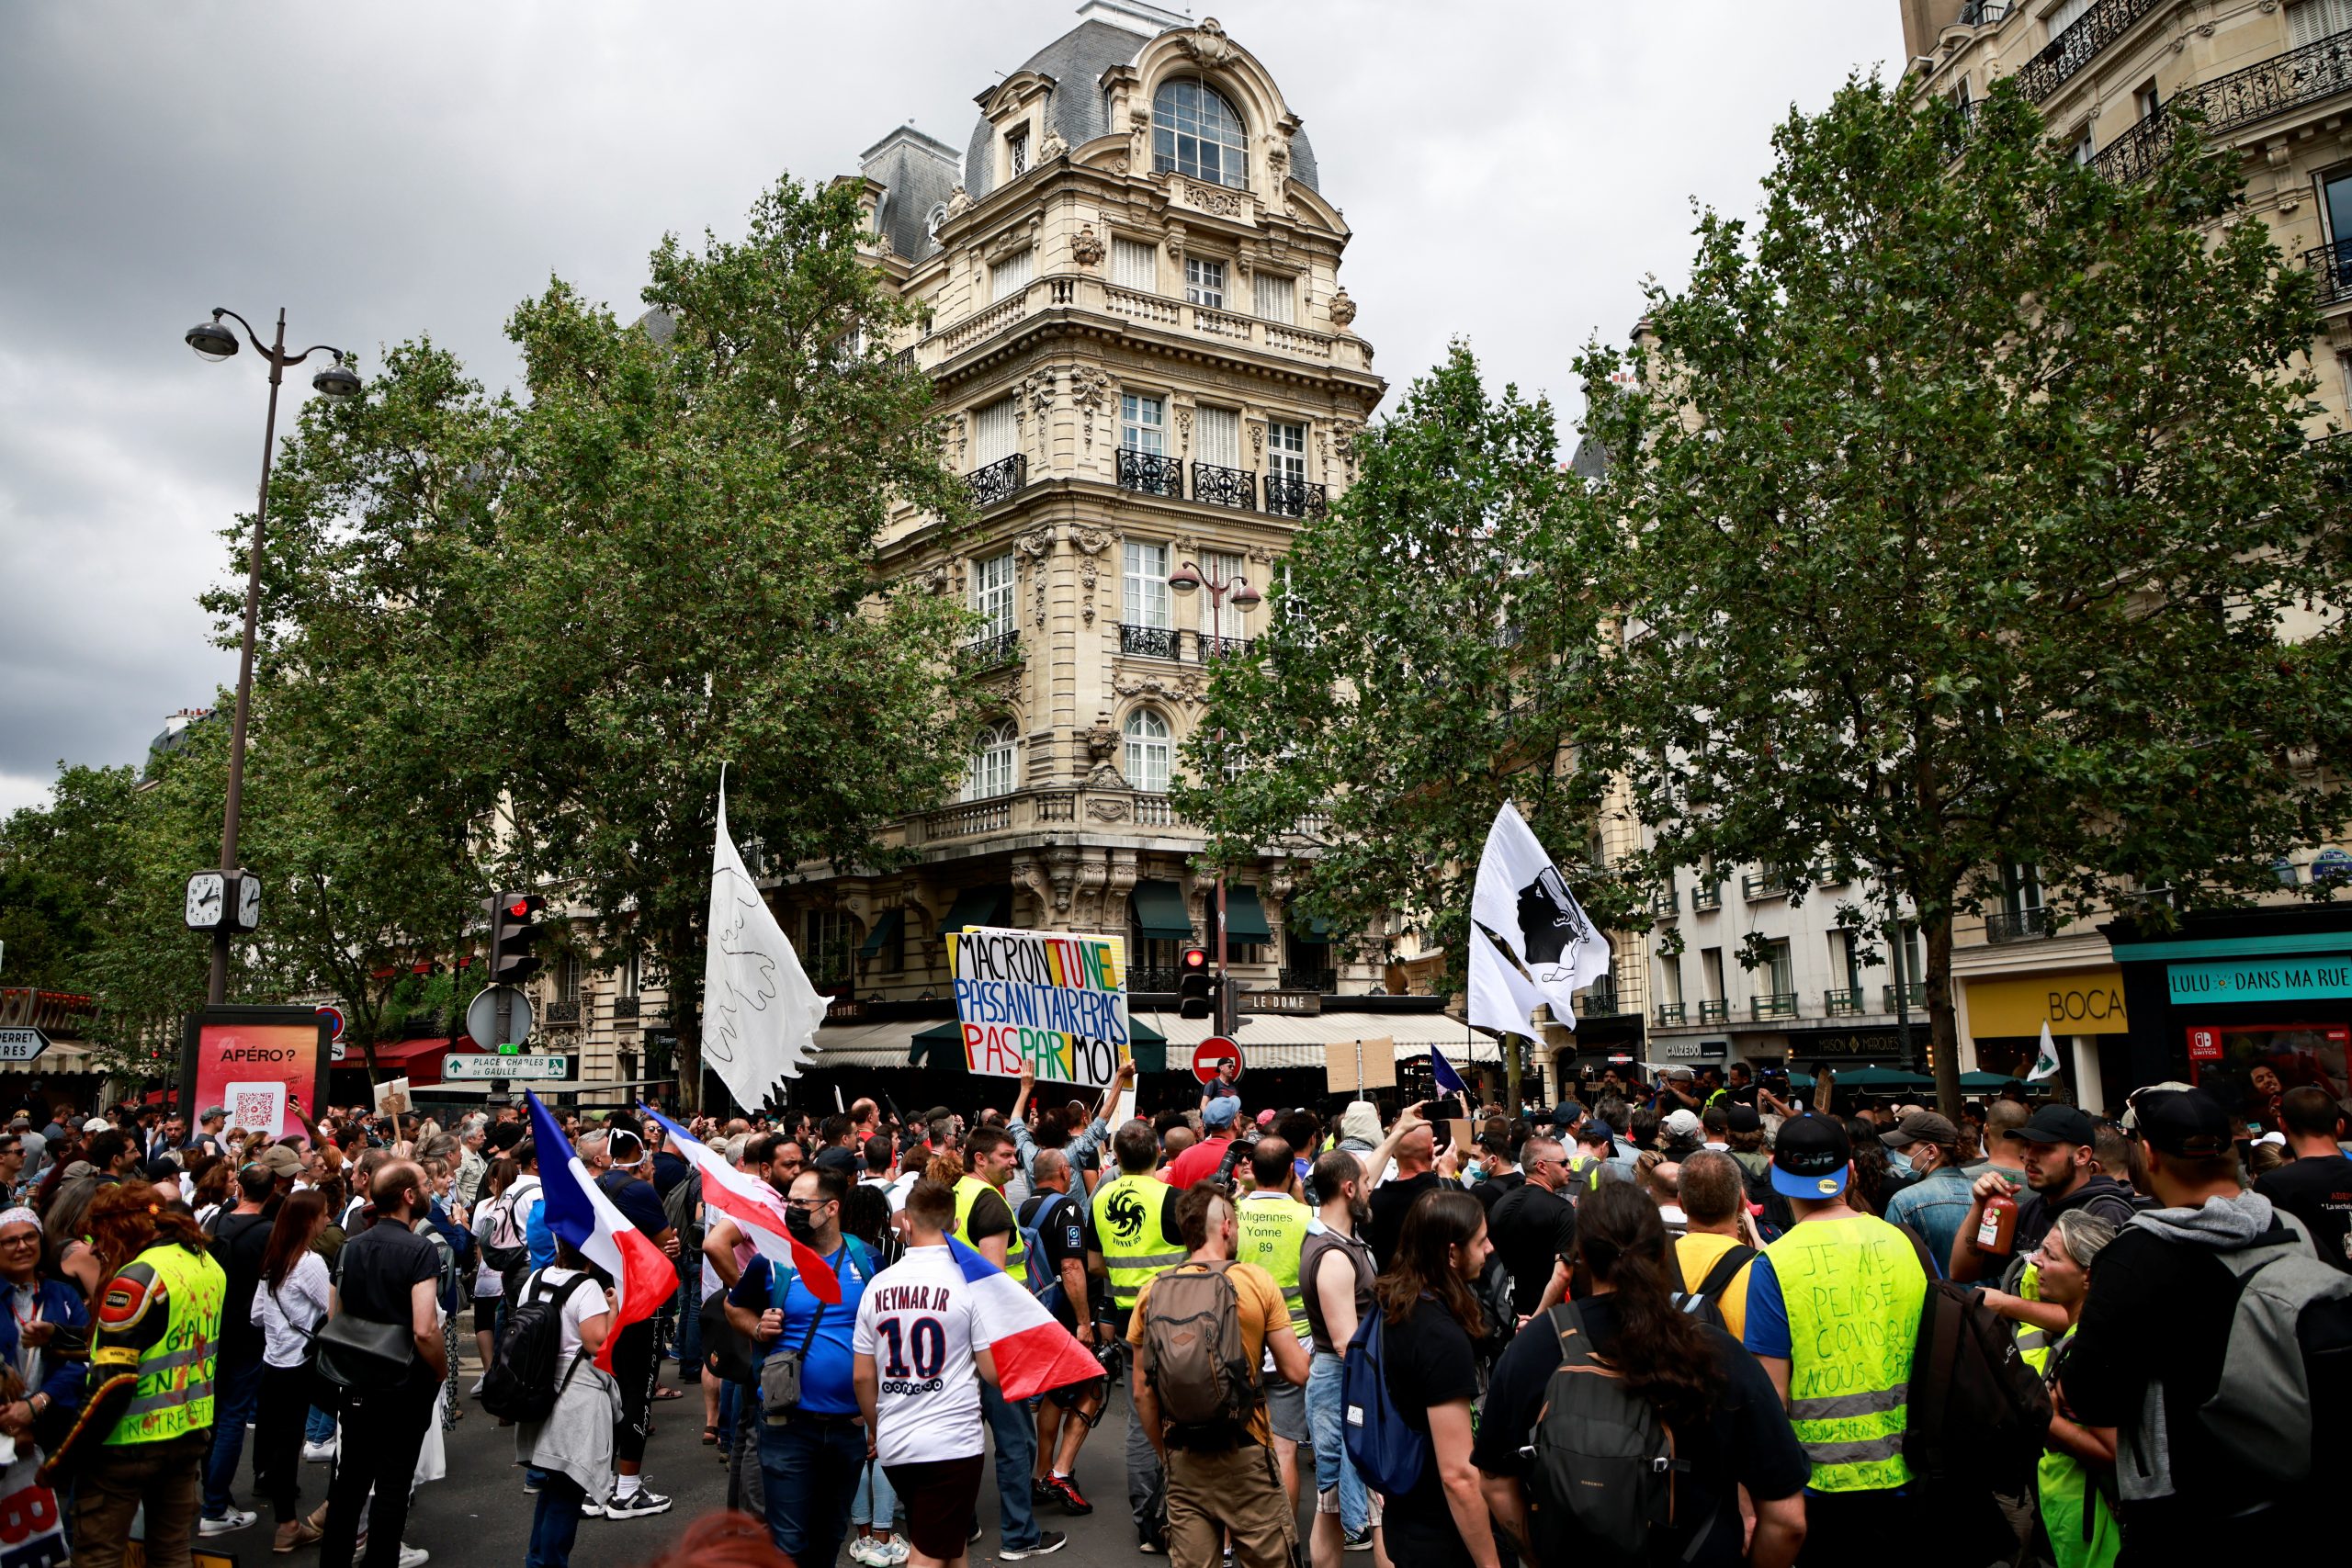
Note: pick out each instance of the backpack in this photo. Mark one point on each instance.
(2289, 1357)
(682, 1208)
(503, 1245)
(1043, 1276)
(522, 1381)
(1702, 1300)
(1976, 1413)
(1389, 1454)
(1199, 1366)
(1602, 1481)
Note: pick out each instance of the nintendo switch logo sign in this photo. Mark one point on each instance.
(2204, 1045)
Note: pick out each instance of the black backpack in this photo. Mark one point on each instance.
(1703, 1301)
(1976, 1413)
(1605, 1481)
(523, 1381)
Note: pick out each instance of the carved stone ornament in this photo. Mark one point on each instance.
(1139, 136)
(1102, 740)
(1015, 240)
(1175, 244)
(1206, 43)
(932, 578)
(1091, 543)
(1090, 392)
(1086, 249)
(1343, 310)
(1216, 198)
(1050, 147)
(959, 202)
(1257, 439)
(1107, 808)
(1035, 543)
(882, 247)
(1185, 689)
(1037, 393)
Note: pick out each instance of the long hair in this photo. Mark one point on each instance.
(1439, 1221)
(1867, 1190)
(1664, 1355)
(300, 1220)
(129, 1218)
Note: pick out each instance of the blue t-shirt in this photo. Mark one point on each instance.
(826, 1388)
(537, 1236)
(1767, 1311)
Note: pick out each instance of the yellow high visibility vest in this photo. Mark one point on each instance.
(968, 1193)
(1853, 1289)
(1272, 1229)
(175, 1391)
(1127, 1226)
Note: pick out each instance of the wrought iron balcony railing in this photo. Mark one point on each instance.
(2077, 47)
(1670, 1014)
(1842, 1001)
(2317, 71)
(1151, 977)
(1601, 1001)
(1149, 473)
(1984, 12)
(2332, 267)
(998, 480)
(1707, 895)
(987, 653)
(1666, 902)
(1216, 486)
(1915, 997)
(1288, 497)
(2005, 926)
(563, 1012)
(1767, 884)
(1326, 981)
(1218, 646)
(1151, 642)
(1773, 1004)
(1717, 1010)
(625, 1007)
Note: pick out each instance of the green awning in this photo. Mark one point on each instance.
(980, 906)
(885, 933)
(1160, 912)
(1309, 928)
(1149, 1047)
(1245, 917)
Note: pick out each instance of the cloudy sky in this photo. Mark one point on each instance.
(1510, 170)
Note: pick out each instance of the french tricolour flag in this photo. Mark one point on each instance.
(579, 1213)
(1033, 1353)
(755, 1207)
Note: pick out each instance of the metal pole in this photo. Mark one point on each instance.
(216, 990)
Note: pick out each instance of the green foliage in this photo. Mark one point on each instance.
(1969, 523)
(61, 866)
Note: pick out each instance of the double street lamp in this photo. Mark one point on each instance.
(1189, 578)
(228, 899)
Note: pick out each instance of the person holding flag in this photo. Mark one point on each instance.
(1446, 1080)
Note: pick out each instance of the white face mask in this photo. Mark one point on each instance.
(1900, 1160)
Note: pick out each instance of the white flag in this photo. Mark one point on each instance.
(759, 1010)
(1502, 998)
(2045, 1064)
(1521, 898)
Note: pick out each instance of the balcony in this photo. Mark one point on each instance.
(625, 1007)
(2005, 926)
(1150, 642)
(1773, 1004)
(1151, 473)
(1216, 486)
(563, 1012)
(999, 480)
(1707, 895)
(1671, 1015)
(991, 815)
(1324, 981)
(1210, 646)
(2318, 71)
(1160, 977)
(1154, 810)
(1915, 997)
(1289, 497)
(1716, 1011)
(1601, 1001)
(2066, 54)
(1764, 885)
(1986, 13)
(2331, 266)
(1666, 903)
(1842, 1002)
(988, 653)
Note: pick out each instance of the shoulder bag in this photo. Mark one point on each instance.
(780, 1373)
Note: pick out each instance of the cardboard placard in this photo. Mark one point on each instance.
(1351, 1064)
(391, 1099)
(1058, 1002)
(1457, 1132)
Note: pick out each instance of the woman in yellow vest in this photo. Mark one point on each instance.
(147, 1424)
(2079, 1457)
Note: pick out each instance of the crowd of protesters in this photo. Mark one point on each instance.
(1379, 1320)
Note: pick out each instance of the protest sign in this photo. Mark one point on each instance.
(1351, 1064)
(1057, 1002)
(391, 1097)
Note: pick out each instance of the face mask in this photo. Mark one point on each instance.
(1900, 1161)
(799, 1225)
(1477, 1174)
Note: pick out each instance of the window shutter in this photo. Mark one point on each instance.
(1134, 264)
(2308, 21)
(1277, 297)
(1220, 437)
(994, 433)
(1011, 274)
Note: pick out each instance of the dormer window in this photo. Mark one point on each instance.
(1194, 132)
(1016, 151)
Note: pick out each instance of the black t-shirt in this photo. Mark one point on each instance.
(1746, 1443)
(1490, 1192)
(1431, 1361)
(1063, 1239)
(2317, 1191)
(640, 1205)
(669, 1170)
(239, 1241)
(375, 1273)
(1531, 1228)
(991, 1215)
(1389, 1201)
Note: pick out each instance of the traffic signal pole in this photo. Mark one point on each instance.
(1225, 1011)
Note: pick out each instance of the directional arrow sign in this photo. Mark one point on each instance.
(21, 1044)
(473, 1067)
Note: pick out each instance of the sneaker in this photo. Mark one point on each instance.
(530, 1487)
(475, 1391)
(976, 1530)
(1048, 1542)
(228, 1523)
(590, 1508)
(1150, 1540)
(319, 1453)
(1359, 1540)
(643, 1503)
(1065, 1491)
(895, 1555)
(861, 1550)
(414, 1556)
(1041, 1493)
(295, 1534)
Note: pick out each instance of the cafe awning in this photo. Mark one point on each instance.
(1160, 912)
(885, 933)
(1245, 917)
(985, 906)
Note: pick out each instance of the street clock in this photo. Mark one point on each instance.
(223, 900)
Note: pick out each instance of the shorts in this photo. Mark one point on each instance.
(1286, 1409)
(486, 1312)
(938, 1495)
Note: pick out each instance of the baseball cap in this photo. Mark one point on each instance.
(1678, 1072)
(1681, 1125)
(2057, 1124)
(1595, 1132)
(280, 1161)
(96, 1124)
(2188, 1122)
(1920, 1127)
(1743, 1118)
(213, 1113)
(1811, 1158)
(1568, 1113)
(1220, 1111)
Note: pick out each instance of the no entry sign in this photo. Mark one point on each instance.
(1211, 1054)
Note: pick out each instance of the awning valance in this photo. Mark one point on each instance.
(886, 931)
(942, 1045)
(1160, 912)
(1245, 916)
(984, 906)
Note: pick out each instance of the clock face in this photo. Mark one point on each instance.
(206, 894)
(248, 902)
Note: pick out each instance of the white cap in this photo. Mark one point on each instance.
(2273, 1137)
(96, 1124)
(1681, 1123)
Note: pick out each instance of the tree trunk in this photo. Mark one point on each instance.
(1511, 1070)
(684, 1008)
(1943, 1019)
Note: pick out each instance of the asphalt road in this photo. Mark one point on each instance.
(479, 1516)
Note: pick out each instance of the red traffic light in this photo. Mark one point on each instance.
(1196, 958)
(523, 908)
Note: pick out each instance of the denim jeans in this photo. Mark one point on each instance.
(236, 1395)
(1325, 1419)
(320, 1427)
(1015, 1431)
(555, 1520)
(808, 1475)
(876, 1504)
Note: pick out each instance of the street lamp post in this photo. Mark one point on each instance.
(213, 341)
(1185, 578)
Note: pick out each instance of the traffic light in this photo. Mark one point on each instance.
(1195, 986)
(515, 937)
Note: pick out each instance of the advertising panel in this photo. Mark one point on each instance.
(252, 1061)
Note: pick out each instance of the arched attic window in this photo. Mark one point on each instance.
(990, 770)
(1195, 131)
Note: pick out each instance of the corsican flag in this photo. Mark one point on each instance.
(642, 1277)
(1501, 995)
(2045, 1064)
(1521, 898)
(759, 1010)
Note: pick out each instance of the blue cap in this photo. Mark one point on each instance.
(1811, 1157)
(1220, 1111)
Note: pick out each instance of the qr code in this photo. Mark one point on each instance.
(256, 1110)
